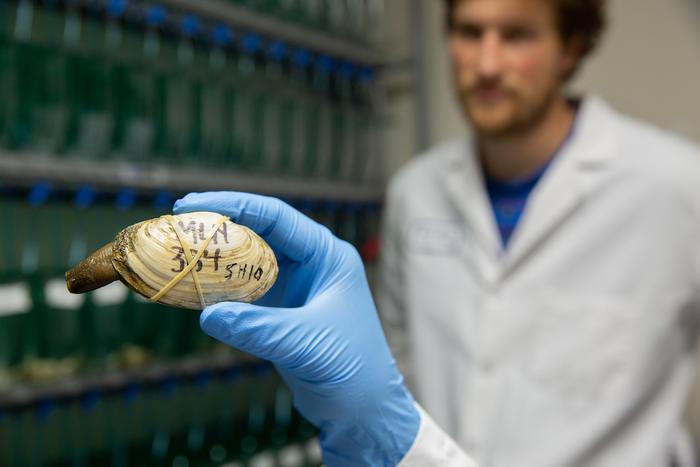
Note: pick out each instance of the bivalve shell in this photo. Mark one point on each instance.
(188, 261)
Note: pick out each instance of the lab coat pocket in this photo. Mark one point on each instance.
(583, 348)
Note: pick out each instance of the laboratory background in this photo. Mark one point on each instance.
(112, 109)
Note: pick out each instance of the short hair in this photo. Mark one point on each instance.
(583, 19)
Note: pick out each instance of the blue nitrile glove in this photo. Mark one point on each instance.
(319, 326)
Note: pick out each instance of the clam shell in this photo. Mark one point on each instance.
(236, 265)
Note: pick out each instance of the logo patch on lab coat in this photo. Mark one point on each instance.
(435, 237)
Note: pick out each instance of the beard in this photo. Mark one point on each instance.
(513, 114)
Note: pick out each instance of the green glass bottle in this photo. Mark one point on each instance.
(327, 122)
(22, 98)
(99, 46)
(249, 116)
(219, 101)
(140, 125)
(16, 303)
(184, 92)
(369, 167)
(303, 119)
(277, 111)
(50, 112)
(79, 95)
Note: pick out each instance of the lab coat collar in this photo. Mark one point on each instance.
(573, 174)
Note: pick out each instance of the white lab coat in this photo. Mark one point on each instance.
(573, 347)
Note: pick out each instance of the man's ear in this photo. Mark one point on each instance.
(572, 53)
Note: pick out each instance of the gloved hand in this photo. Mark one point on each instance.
(319, 327)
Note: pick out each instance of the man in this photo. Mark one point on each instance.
(541, 280)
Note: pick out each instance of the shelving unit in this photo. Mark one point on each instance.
(23, 395)
(115, 175)
(247, 19)
(68, 200)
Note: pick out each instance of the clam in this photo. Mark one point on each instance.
(188, 261)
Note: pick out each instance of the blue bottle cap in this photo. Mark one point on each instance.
(331, 206)
(89, 401)
(347, 70)
(202, 380)
(367, 73)
(190, 25)
(125, 200)
(156, 15)
(232, 375)
(39, 194)
(306, 205)
(277, 51)
(351, 208)
(84, 197)
(130, 393)
(222, 35)
(163, 200)
(302, 57)
(325, 63)
(370, 208)
(44, 409)
(262, 368)
(116, 8)
(251, 43)
(168, 386)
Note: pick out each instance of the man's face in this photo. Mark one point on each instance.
(508, 60)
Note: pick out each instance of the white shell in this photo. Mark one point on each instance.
(237, 265)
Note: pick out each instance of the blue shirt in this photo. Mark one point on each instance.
(508, 199)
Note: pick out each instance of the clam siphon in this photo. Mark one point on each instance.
(188, 261)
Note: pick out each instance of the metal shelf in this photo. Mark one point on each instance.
(26, 395)
(24, 169)
(247, 19)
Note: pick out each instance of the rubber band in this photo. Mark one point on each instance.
(188, 258)
(191, 262)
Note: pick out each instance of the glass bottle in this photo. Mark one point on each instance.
(184, 92)
(219, 101)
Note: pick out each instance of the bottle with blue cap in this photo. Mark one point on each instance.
(118, 53)
(20, 90)
(369, 165)
(277, 110)
(218, 100)
(140, 132)
(345, 155)
(327, 128)
(249, 118)
(38, 73)
(100, 50)
(15, 292)
(30, 225)
(304, 119)
(184, 92)
(66, 231)
(360, 125)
